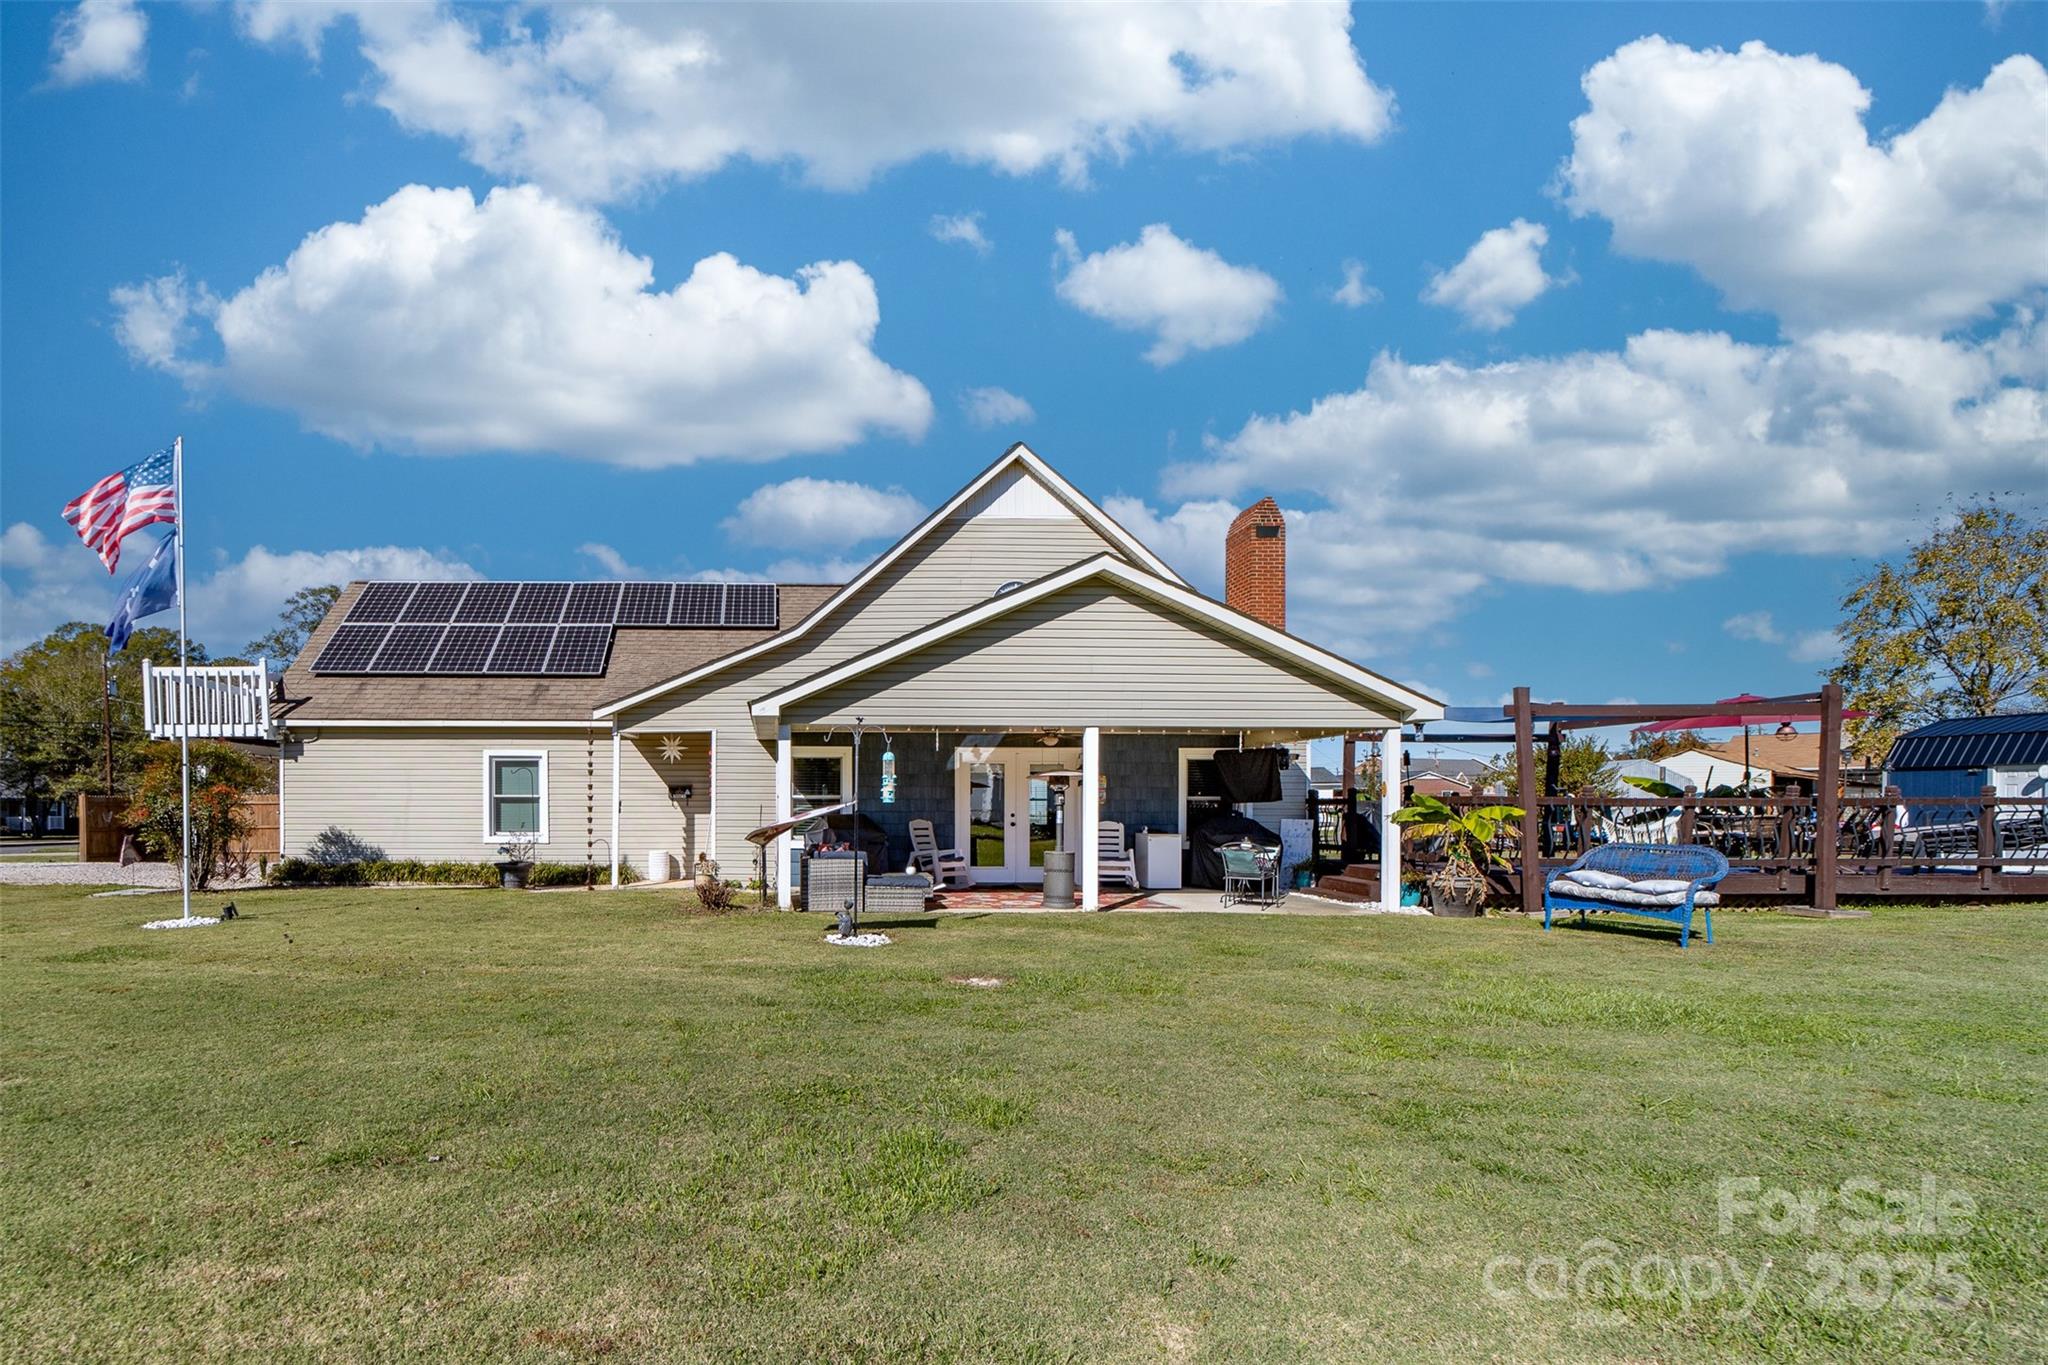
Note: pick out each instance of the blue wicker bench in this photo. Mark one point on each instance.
(1657, 881)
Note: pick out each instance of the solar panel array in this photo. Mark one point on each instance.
(530, 629)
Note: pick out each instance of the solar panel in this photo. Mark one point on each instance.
(579, 651)
(487, 602)
(750, 604)
(434, 602)
(381, 602)
(407, 649)
(522, 649)
(644, 604)
(464, 649)
(592, 603)
(350, 649)
(698, 604)
(539, 603)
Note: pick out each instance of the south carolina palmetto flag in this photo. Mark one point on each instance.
(121, 504)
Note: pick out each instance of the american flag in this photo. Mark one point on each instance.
(123, 503)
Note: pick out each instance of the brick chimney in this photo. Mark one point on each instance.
(1255, 563)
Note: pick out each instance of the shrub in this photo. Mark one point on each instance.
(716, 895)
(335, 845)
(221, 776)
(407, 871)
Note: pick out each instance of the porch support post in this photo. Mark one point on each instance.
(1390, 833)
(783, 777)
(615, 804)
(1091, 812)
(1827, 800)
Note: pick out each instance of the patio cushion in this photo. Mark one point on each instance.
(1576, 890)
(1657, 886)
(912, 879)
(1589, 877)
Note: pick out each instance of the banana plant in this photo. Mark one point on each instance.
(1467, 835)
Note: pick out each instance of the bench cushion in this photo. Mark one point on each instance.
(903, 879)
(1630, 895)
(1587, 876)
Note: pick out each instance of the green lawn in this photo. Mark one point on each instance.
(484, 1125)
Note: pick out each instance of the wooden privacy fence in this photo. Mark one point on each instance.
(1889, 845)
(100, 830)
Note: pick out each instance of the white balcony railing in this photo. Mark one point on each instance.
(220, 701)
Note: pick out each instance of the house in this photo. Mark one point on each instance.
(1435, 775)
(1962, 757)
(1704, 769)
(1015, 634)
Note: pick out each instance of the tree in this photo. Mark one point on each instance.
(221, 776)
(1581, 766)
(1960, 628)
(1662, 744)
(303, 610)
(50, 711)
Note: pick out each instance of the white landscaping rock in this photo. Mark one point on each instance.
(189, 922)
(857, 940)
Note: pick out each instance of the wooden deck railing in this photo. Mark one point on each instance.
(1925, 847)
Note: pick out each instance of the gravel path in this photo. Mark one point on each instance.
(158, 876)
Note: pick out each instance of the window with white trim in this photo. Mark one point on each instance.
(819, 776)
(516, 795)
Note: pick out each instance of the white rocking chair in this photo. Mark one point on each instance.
(945, 866)
(1113, 861)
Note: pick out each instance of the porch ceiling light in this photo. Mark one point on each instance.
(671, 748)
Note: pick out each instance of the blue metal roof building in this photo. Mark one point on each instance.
(1962, 757)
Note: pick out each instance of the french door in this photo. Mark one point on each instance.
(1009, 810)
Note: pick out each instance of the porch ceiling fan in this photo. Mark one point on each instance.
(1050, 738)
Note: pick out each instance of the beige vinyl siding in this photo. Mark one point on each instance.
(648, 817)
(420, 793)
(960, 563)
(1093, 654)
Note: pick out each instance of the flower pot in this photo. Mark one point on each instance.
(1458, 899)
(1411, 895)
(512, 875)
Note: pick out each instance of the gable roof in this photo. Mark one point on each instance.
(1175, 595)
(1018, 457)
(1973, 742)
(638, 658)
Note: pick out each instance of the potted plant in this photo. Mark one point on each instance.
(518, 861)
(1411, 888)
(1304, 874)
(1465, 836)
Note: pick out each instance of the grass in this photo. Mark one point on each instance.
(364, 1124)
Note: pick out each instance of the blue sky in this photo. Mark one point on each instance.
(1709, 351)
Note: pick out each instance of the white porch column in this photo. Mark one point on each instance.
(615, 803)
(1390, 833)
(1091, 812)
(784, 893)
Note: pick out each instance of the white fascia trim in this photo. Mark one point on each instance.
(1018, 454)
(1332, 666)
(442, 725)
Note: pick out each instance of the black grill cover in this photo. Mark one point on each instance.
(1250, 775)
(1206, 867)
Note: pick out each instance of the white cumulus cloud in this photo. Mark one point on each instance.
(597, 101)
(46, 582)
(1756, 169)
(1615, 470)
(962, 228)
(98, 40)
(1189, 297)
(1500, 275)
(442, 325)
(1754, 625)
(828, 512)
(1354, 292)
(993, 407)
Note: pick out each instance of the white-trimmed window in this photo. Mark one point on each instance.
(819, 775)
(516, 795)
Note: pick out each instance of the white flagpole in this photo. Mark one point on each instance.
(184, 682)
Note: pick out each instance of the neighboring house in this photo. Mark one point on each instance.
(23, 814)
(1432, 775)
(1705, 769)
(1016, 633)
(1962, 757)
